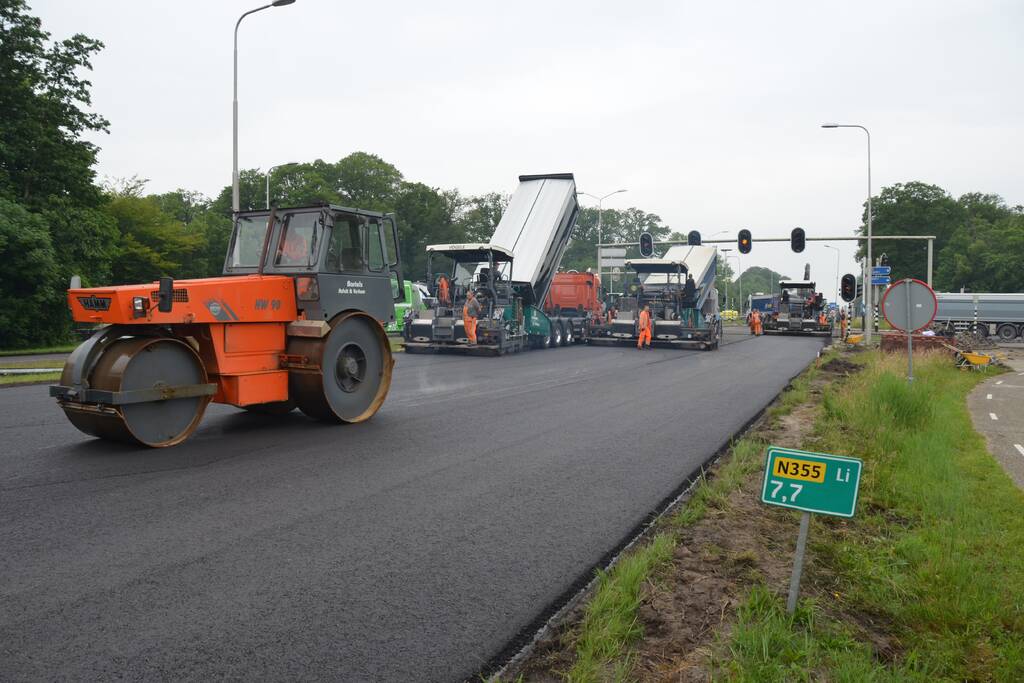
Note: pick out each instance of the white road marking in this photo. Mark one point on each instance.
(999, 382)
(993, 416)
(988, 396)
(1020, 449)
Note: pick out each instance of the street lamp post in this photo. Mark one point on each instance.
(235, 202)
(600, 209)
(835, 249)
(269, 171)
(868, 309)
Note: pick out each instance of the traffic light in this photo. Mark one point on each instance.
(743, 241)
(646, 245)
(693, 239)
(796, 239)
(848, 288)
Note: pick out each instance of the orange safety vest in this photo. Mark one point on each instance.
(645, 320)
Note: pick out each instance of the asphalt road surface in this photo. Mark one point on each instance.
(416, 546)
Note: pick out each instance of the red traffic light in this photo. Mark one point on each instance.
(744, 241)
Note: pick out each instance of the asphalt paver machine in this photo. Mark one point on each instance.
(510, 275)
(681, 318)
(799, 310)
(296, 320)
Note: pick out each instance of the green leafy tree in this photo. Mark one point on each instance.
(43, 113)
(984, 257)
(85, 241)
(33, 310)
(479, 215)
(913, 208)
(153, 243)
(424, 217)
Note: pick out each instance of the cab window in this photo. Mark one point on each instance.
(345, 250)
(300, 234)
(375, 250)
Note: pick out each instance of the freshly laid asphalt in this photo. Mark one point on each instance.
(416, 546)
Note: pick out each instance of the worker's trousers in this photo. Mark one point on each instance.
(645, 336)
(470, 324)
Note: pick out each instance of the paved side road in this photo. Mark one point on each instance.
(414, 547)
(997, 410)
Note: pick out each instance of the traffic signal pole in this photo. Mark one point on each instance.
(844, 238)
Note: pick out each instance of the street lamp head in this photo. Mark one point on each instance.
(830, 125)
(281, 3)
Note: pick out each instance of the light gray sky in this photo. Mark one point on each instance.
(708, 113)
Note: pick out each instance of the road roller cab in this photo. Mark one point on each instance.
(296, 321)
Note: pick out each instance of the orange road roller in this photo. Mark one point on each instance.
(297, 320)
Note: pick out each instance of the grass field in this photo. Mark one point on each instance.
(926, 583)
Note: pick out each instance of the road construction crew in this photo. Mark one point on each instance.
(645, 328)
(821, 319)
(842, 324)
(443, 295)
(755, 319)
(470, 312)
(750, 321)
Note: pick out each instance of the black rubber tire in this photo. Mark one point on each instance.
(980, 330)
(354, 370)
(1007, 332)
(557, 334)
(569, 335)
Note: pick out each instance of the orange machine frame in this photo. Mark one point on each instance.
(236, 324)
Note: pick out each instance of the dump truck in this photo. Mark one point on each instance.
(574, 303)
(510, 275)
(986, 314)
(798, 310)
(296, 320)
(682, 317)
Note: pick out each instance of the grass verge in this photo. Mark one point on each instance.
(29, 379)
(62, 348)
(927, 581)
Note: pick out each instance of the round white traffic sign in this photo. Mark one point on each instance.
(909, 305)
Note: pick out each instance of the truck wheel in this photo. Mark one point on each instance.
(570, 337)
(980, 330)
(556, 334)
(1007, 332)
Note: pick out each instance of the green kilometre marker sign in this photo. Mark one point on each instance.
(811, 482)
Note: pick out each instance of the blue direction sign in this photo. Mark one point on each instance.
(880, 280)
(812, 482)
(881, 270)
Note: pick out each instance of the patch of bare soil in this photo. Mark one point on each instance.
(716, 562)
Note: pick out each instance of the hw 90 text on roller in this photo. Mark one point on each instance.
(296, 321)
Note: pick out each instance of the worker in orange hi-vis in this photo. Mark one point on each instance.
(443, 290)
(470, 312)
(755, 319)
(842, 324)
(750, 321)
(645, 328)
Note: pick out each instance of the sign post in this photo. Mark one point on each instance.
(909, 305)
(810, 482)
